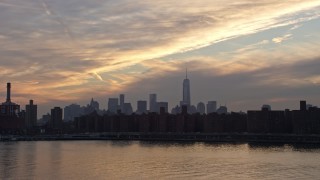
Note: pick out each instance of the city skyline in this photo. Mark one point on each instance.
(56, 53)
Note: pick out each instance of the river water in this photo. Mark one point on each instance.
(155, 160)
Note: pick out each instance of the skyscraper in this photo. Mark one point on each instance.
(211, 107)
(186, 90)
(31, 115)
(113, 105)
(56, 118)
(153, 102)
(201, 108)
(142, 107)
(72, 111)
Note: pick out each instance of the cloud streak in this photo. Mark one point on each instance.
(66, 46)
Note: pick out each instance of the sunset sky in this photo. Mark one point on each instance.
(241, 53)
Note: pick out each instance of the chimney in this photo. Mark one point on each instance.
(8, 92)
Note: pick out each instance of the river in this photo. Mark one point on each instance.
(156, 160)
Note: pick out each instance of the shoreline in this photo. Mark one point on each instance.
(178, 137)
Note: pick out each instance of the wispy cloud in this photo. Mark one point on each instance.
(282, 38)
(66, 46)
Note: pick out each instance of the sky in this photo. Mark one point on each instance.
(241, 53)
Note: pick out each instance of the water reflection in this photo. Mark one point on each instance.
(157, 160)
(8, 161)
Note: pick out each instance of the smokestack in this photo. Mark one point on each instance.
(8, 92)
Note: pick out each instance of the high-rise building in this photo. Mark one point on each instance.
(94, 105)
(186, 91)
(141, 107)
(266, 107)
(72, 111)
(153, 102)
(121, 97)
(303, 105)
(222, 110)
(201, 108)
(113, 105)
(211, 107)
(127, 108)
(56, 118)
(31, 115)
(162, 105)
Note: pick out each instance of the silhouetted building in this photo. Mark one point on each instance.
(45, 119)
(94, 105)
(9, 108)
(56, 118)
(121, 97)
(201, 108)
(186, 91)
(127, 109)
(72, 111)
(176, 110)
(222, 110)
(113, 105)
(266, 107)
(306, 121)
(266, 121)
(31, 115)
(141, 107)
(9, 114)
(211, 107)
(153, 102)
(162, 105)
(303, 105)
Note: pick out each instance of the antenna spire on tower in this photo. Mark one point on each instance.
(186, 73)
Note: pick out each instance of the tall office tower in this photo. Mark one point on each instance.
(211, 107)
(56, 118)
(127, 108)
(142, 107)
(113, 105)
(186, 90)
(121, 102)
(31, 115)
(94, 104)
(201, 108)
(153, 102)
(72, 111)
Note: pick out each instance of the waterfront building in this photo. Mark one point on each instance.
(9, 108)
(31, 115)
(11, 119)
